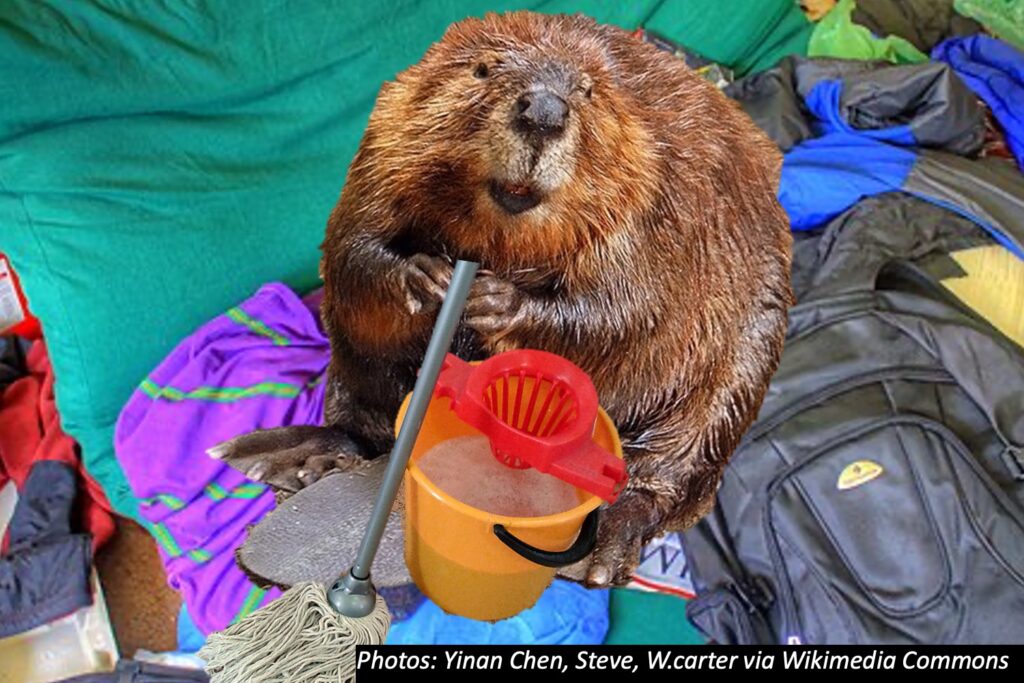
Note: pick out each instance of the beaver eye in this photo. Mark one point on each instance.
(586, 85)
(481, 70)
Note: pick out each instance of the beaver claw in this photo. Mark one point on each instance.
(426, 281)
(494, 306)
(289, 458)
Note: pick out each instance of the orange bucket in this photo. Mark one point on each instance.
(480, 565)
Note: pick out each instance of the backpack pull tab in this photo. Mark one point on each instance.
(1013, 456)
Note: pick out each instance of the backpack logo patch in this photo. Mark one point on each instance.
(857, 473)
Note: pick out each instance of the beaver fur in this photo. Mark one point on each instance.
(624, 212)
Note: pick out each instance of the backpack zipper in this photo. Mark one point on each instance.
(921, 373)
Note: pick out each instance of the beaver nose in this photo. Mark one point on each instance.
(542, 113)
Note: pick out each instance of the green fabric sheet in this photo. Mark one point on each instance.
(1004, 18)
(746, 35)
(161, 159)
(641, 618)
(836, 35)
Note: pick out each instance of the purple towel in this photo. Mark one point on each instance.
(259, 365)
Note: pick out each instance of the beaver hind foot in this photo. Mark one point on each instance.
(290, 458)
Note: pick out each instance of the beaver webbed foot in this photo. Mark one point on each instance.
(494, 306)
(290, 458)
(624, 528)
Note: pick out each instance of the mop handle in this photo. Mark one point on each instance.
(422, 393)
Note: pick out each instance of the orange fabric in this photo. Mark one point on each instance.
(30, 431)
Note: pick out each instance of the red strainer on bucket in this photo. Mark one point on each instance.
(538, 410)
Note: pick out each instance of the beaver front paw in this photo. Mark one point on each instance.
(494, 307)
(425, 280)
(290, 458)
(623, 529)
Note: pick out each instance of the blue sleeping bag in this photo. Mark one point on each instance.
(995, 71)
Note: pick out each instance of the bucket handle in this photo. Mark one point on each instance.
(581, 547)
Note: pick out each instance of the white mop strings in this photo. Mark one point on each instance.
(298, 638)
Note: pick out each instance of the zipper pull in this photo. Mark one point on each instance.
(753, 599)
(1013, 456)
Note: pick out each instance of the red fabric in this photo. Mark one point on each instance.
(30, 431)
(29, 327)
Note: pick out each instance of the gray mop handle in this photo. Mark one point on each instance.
(422, 393)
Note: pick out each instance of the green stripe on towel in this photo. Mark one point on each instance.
(257, 326)
(167, 542)
(213, 490)
(243, 491)
(220, 394)
(216, 491)
(251, 603)
(248, 491)
(164, 538)
(199, 555)
(173, 502)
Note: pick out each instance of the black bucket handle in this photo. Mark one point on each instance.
(581, 547)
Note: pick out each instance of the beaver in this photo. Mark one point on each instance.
(624, 214)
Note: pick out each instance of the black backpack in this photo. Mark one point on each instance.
(879, 497)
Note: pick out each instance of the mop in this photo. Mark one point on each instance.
(310, 634)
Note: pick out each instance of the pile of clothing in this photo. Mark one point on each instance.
(61, 517)
(59, 520)
(879, 498)
(852, 129)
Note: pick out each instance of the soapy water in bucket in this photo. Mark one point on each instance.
(465, 468)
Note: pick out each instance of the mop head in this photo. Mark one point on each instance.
(298, 638)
